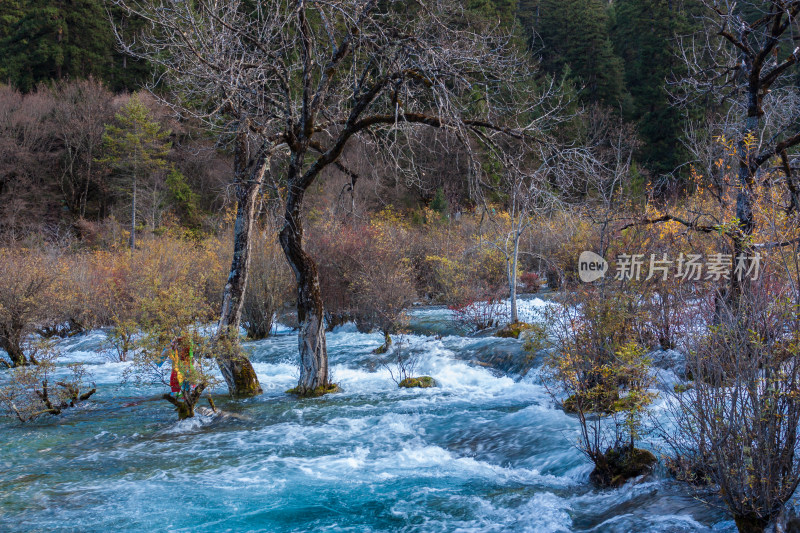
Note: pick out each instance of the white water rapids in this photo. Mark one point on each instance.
(482, 452)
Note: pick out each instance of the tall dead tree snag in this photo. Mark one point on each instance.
(313, 76)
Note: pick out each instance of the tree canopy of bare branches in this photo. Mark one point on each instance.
(290, 83)
(743, 56)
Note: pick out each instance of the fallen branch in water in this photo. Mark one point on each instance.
(74, 397)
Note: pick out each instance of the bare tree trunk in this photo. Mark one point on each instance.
(744, 201)
(314, 379)
(85, 194)
(236, 368)
(512, 280)
(133, 217)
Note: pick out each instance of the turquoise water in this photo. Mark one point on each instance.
(482, 452)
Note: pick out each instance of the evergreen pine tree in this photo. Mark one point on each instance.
(135, 148)
(56, 40)
(11, 12)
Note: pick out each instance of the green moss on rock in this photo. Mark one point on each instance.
(423, 382)
(514, 330)
(315, 393)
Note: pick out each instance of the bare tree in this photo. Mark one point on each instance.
(532, 180)
(744, 57)
(298, 81)
(81, 112)
(27, 154)
(737, 427)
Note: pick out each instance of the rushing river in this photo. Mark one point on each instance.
(482, 452)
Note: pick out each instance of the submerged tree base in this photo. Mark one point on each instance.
(185, 410)
(185, 405)
(751, 524)
(383, 348)
(247, 384)
(423, 382)
(236, 368)
(315, 393)
(617, 465)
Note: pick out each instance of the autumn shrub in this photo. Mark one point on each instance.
(383, 285)
(490, 269)
(530, 282)
(480, 314)
(436, 247)
(599, 371)
(122, 338)
(370, 271)
(365, 273)
(72, 311)
(450, 280)
(269, 284)
(171, 304)
(123, 277)
(383, 292)
(124, 283)
(335, 248)
(30, 297)
(63, 292)
(473, 273)
(105, 234)
(552, 246)
(737, 426)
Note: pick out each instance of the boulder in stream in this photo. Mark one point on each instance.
(617, 465)
(423, 382)
(514, 330)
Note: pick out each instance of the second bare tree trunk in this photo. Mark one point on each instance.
(512, 279)
(314, 378)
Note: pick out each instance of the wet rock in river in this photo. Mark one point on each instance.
(423, 382)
